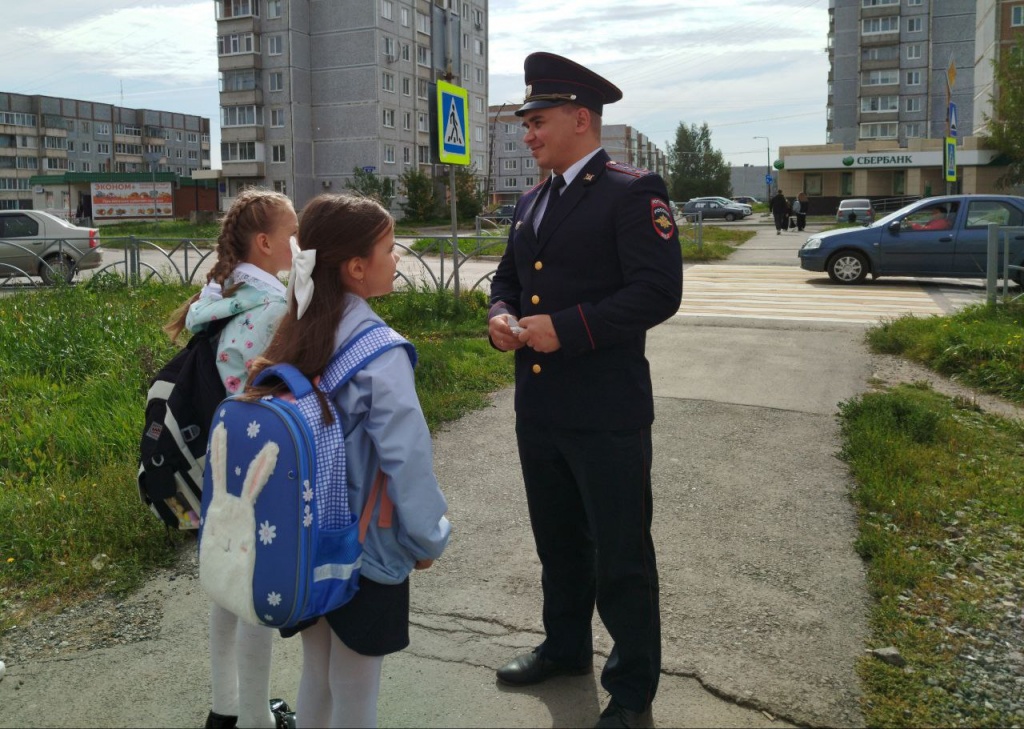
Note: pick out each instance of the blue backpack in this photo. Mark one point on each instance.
(278, 543)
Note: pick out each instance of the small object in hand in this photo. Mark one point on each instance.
(513, 324)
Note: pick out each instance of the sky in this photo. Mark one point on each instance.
(748, 68)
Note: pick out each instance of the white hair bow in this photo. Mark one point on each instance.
(300, 280)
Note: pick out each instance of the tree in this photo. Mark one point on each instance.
(420, 201)
(1006, 125)
(367, 184)
(468, 198)
(695, 167)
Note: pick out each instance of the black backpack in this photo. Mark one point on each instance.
(180, 405)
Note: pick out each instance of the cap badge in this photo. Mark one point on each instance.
(529, 91)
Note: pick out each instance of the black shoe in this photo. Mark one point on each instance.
(284, 717)
(617, 715)
(534, 668)
(220, 721)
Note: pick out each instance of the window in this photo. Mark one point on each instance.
(86, 148)
(510, 146)
(881, 77)
(277, 153)
(238, 151)
(913, 103)
(421, 122)
(478, 103)
(405, 17)
(478, 46)
(275, 45)
(422, 154)
(875, 3)
(913, 3)
(530, 181)
(237, 8)
(241, 116)
(422, 23)
(228, 45)
(277, 117)
(406, 53)
(913, 78)
(529, 163)
(509, 182)
(845, 183)
(422, 88)
(510, 164)
(899, 182)
(913, 130)
(276, 80)
(878, 130)
(913, 51)
(406, 86)
(888, 24)
(1017, 15)
(406, 155)
(478, 133)
(981, 213)
(480, 76)
(407, 121)
(102, 147)
(389, 48)
(387, 81)
(102, 128)
(812, 184)
(87, 167)
(388, 118)
(389, 154)
(879, 103)
(422, 55)
(281, 186)
(273, 8)
(915, 25)
(387, 9)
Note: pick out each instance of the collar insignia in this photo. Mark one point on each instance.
(589, 177)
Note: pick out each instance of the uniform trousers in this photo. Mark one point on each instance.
(589, 496)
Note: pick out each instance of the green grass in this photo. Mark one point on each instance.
(982, 346)
(938, 495)
(718, 243)
(75, 363)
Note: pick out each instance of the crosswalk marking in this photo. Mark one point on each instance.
(790, 293)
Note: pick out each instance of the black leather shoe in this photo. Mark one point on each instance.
(534, 668)
(617, 715)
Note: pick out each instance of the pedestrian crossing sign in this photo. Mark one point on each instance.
(452, 116)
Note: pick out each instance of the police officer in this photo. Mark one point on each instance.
(592, 262)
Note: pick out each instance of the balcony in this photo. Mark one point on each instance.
(250, 97)
(242, 134)
(242, 169)
(238, 61)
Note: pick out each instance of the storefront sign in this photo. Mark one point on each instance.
(113, 200)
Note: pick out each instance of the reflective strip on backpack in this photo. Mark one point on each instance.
(336, 571)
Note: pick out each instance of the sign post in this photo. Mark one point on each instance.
(949, 156)
(452, 149)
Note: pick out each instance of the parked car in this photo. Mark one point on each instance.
(936, 236)
(725, 201)
(502, 215)
(746, 200)
(855, 210)
(714, 208)
(37, 243)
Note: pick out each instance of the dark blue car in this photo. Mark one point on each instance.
(945, 236)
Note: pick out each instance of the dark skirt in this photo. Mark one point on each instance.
(373, 623)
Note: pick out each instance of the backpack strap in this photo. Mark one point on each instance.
(365, 346)
(384, 521)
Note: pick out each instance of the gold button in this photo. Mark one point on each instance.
(535, 299)
(536, 369)
(538, 265)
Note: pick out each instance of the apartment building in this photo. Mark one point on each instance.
(311, 90)
(51, 148)
(904, 76)
(512, 170)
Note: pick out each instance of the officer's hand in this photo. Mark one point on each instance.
(502, 336)
(539, 333)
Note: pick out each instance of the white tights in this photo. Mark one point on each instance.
(339, 687)
(240, 669)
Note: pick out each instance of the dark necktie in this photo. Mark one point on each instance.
(554, 193)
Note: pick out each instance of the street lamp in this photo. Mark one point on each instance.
(768, 173)
(154, 159)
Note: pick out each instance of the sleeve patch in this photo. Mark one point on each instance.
(662, 220)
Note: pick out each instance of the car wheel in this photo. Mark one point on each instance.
(730, 217)
(56, 268)
(848, 267)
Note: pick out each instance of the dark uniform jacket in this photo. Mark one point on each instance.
(606, 266)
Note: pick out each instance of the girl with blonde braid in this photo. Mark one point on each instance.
(253, 246)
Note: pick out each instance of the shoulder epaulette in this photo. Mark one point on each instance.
(626, 169)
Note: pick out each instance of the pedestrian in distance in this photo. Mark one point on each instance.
(346, 255)
(593, 261)
(252, 248)
(800, 208)
(780, 211)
